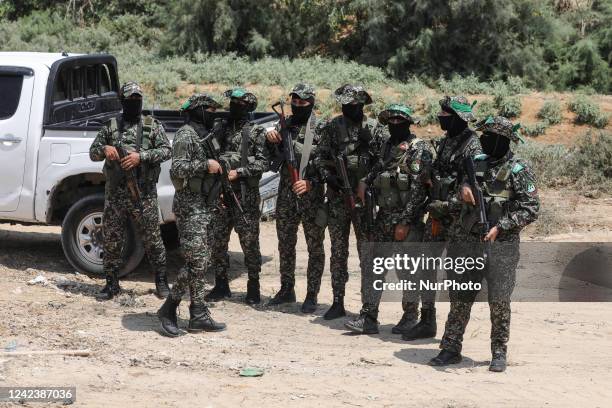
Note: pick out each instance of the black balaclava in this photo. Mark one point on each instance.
(202, 116)
(494, 145)
(452, 124)
(132, 108)
(238, 111)
(300, 114)
(353, 111)
(400, 130)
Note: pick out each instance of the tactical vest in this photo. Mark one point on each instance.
(444, 176)
(237, 159)
(357, 153)
(496, 192)
(204, 185)
(393, 186)
(148, 174)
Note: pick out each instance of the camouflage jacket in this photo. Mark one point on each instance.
(358, 142)
(315, 196)
(154, 149)
(189, 170)
(227, 136)
(398, 179)
(510, 192)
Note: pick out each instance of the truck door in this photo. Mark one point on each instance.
(16, 86)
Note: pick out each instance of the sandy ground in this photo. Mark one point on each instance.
(560, 353)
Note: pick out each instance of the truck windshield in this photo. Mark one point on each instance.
(10, 89)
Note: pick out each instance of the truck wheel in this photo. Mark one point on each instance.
(83, 240)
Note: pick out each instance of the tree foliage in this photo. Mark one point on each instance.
(561, 44)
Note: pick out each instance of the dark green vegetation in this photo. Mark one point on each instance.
(550, 44)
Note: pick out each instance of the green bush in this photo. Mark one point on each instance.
(509, 106)
(586, 166)
(550, 112)
(484, 109)
(536, 129)
(587, 112)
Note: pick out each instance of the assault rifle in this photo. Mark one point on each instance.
(131, 179)
(226, 185)
(468, 164)
(346, 188)
(287, 144)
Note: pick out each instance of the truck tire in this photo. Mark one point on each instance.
(82, 238)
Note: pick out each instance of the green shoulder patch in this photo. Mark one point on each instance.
(517, 167)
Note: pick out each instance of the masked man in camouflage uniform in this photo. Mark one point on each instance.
(298, 203)
(195, 178)
(511, 200)
(397, 186)
(241, 147)
(459, 142)
(130, 186)
(353, 139)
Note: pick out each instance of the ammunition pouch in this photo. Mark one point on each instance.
(357, 167)
(442, 187)
(393, 189)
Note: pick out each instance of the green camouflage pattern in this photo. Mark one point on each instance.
(459, 105)
(200, 99)
(193, 212)
(364, 140)
(500, 126)
(224, 218)
(243, 95)
(411, 157)
(154, 150)
(303, 91)
(396, 110)
(352, 94)
(130, 88)
(521, 209)
(289, 217)
(118, 207)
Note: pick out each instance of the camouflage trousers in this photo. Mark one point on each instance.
(339, 224)
(288, 218)
(428, 297)
(384, 231)
(225, 219)
(118, 206)
(193, 218)
(500, 275)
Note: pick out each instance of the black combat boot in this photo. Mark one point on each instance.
(286, 294)
(253, 296)
(406, 323)
(445, 358)
(220, 291)
(167, 317)
(336, 310)
(498, 362)
(426, 328)
(310, 303)
(161, 285)
(201, 320)
(366, 323)
(111, 289)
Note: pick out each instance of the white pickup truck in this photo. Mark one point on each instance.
(51, 107)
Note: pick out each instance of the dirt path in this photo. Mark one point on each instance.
(560, 353)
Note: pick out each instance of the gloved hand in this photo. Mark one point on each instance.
(438, 209)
